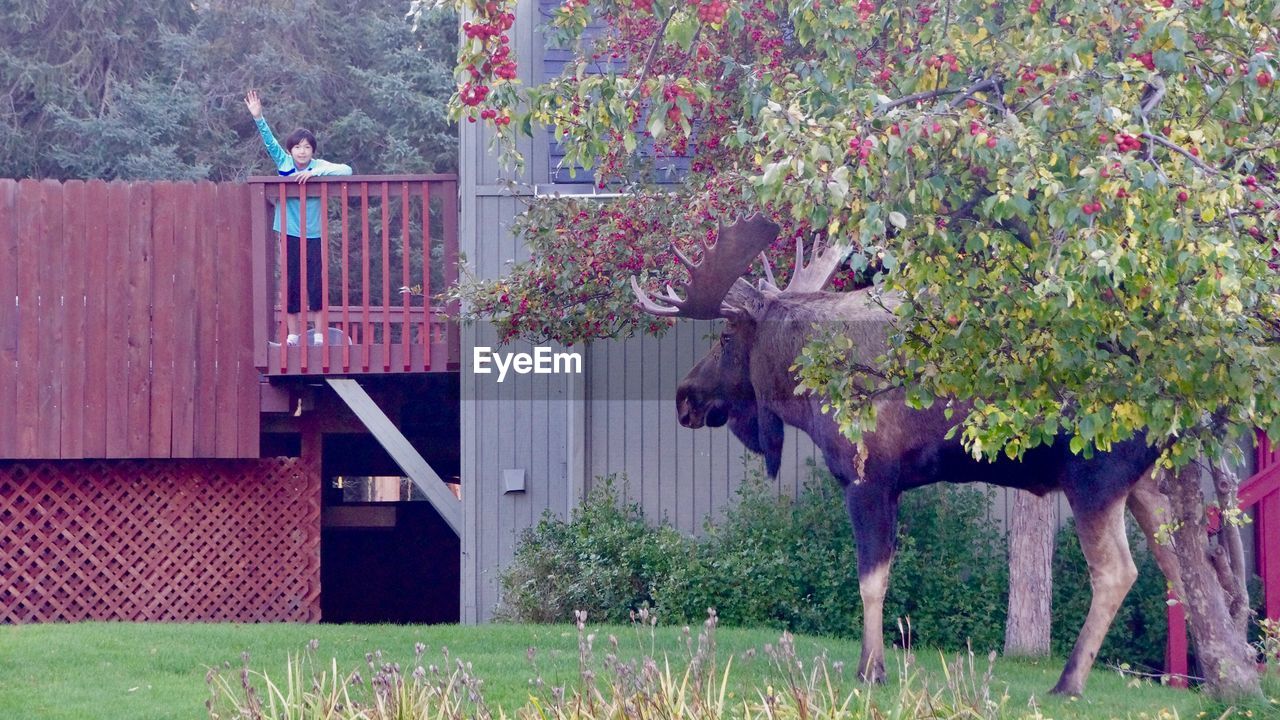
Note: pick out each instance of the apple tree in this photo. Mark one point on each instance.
(1077, 201)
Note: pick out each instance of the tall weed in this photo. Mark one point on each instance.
(609, 687)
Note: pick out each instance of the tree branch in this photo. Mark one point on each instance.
(653, 52)
(1115, 349)
(1160, 140)
(988, 83)
(1016, 226)
(1225, 486)
(1151, 97)
(1019, 229)
(916, 97)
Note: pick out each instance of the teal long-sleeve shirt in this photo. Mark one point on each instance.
(285, 166)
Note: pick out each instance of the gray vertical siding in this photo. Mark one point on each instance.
(535, 424)
(676, 474)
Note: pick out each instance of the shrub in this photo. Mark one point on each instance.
(604, 560)
(772, 561)
(951, 575)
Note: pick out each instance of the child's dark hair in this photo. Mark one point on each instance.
(298, 136)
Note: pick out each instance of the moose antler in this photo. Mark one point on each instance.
(814, 276)
(807, 278)
(710, 279)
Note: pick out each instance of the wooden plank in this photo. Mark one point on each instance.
(647, 365)
(51, 274)
(346, 273)
(366, 330)
(549, 447)
(260, 247)
(247, 390)
(117, 315)
(425, 330)
(1176, 645)
(322, 179)
(184, 319)
(206, 327)
(451, 263)
(686, 517)
(400, 450)
(74, 350)
(282, 292)
(164, 259)
(1262, 484)
(1268, 519)
(323, 325)
(231, 290)
(304, 304)
(140, 320)
(30, 228)
(406, 329)
(386, 270)
(527, 454)
(97, 210)
(8, 317)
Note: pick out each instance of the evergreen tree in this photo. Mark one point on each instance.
(152, 90)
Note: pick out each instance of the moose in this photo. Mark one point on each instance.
(746, 381)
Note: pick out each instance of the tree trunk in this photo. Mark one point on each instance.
(1031, 535)
(1222, 647)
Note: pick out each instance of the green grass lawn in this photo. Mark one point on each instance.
(144, 671)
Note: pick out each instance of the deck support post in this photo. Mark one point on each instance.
(400, 450)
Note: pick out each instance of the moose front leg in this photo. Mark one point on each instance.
(1111, 573)
(874, 515)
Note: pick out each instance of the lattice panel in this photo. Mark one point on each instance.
(176, 540)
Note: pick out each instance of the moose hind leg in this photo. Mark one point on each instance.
(874, 515)
(1150, 508)
(1111, 573)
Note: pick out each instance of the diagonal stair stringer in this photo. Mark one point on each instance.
(400, 450)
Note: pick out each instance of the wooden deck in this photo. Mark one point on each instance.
(136, 319)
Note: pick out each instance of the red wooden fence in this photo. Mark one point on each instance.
(1261, 492)
(379, 237)
(125, 321)
(182, 540)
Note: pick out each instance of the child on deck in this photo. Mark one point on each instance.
(299, 163)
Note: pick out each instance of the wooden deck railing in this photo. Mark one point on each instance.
(389, 243)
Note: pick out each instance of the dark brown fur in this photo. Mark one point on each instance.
(746, 381)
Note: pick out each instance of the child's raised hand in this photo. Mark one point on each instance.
(253, 103)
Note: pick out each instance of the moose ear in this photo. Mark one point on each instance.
(744, 301)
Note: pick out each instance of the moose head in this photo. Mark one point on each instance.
(719, 389)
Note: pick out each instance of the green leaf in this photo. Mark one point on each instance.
(681, 30)
(1076, 444)
(658, 125)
